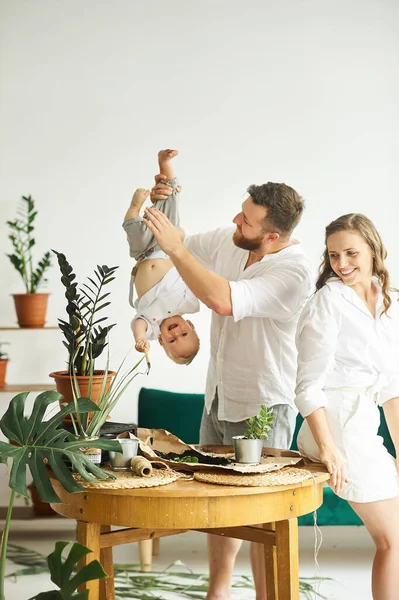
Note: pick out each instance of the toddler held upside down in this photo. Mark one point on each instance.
(162, 295)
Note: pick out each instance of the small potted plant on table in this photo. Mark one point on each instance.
(4, 358)
(30, 307)
(248, 447)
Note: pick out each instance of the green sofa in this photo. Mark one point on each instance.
(181, 415)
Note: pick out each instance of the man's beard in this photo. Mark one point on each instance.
(242, 242)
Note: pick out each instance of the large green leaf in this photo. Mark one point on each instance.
(43, 444)
(61, 572)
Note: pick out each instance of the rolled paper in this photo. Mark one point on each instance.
(141, 466)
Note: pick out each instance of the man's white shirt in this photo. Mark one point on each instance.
(253, 354)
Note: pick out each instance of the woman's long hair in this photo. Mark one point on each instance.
(366, 228)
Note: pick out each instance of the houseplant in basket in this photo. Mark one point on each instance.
(42, 445)
(248, 448)
(30, 307)
(4, 358)
(84, 331)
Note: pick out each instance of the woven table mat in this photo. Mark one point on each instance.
(286, 476)
(128, 480)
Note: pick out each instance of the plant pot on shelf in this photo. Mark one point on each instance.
(63, 384)
(3, 371)
(40, 508)
(31, 310)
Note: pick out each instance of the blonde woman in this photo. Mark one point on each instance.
(348, 364)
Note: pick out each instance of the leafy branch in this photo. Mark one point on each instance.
(22, 240)
(260, 424)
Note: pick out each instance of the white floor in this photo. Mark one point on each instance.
(345, 556)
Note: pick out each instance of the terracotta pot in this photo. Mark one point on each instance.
(3, 370)
(40, 508)
(31, 309)
(63, 384)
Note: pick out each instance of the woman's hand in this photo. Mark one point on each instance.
(334, 465)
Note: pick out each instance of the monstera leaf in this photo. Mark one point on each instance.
(61, 572)
(43, 444)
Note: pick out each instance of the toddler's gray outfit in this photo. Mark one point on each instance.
(170, 296)
(141, 241)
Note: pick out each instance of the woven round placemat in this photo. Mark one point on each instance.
(286, 476)
(128, 480)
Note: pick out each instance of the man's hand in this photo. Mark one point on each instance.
(142, 345)
(167, 235)
(161, 191)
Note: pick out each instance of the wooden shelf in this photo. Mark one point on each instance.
(27, 387)
(16, 327)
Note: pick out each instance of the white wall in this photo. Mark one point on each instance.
(304, 92)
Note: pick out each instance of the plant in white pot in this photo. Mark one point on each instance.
(248, 447)
(31, 307)
(84, 332)
(4, 358)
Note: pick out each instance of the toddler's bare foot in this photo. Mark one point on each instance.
(164, 156)
(165, 164)
(139, 197)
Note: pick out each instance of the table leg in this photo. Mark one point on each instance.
(155, 546)
(270, 566)
(145, 554)
(107, 591)
(287, 560)
(88, 534)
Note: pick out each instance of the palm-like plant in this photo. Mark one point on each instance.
(88, 427)
(85, 338)
(22, 239)
(42, 445)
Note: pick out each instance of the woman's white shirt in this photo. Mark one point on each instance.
(340, 344)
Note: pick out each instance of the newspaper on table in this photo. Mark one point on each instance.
(160, 445)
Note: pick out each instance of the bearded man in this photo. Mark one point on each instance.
(256, 280)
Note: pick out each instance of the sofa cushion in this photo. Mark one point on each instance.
(176, 412)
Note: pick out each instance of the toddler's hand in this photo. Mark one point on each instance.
(142, 345)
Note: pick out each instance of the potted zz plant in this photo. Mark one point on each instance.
(31, 307)
(85, 338)
(248, 447)
(4, 358)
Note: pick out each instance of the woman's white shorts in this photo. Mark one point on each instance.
(353, 417)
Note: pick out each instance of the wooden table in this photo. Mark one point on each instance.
(151, 513)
